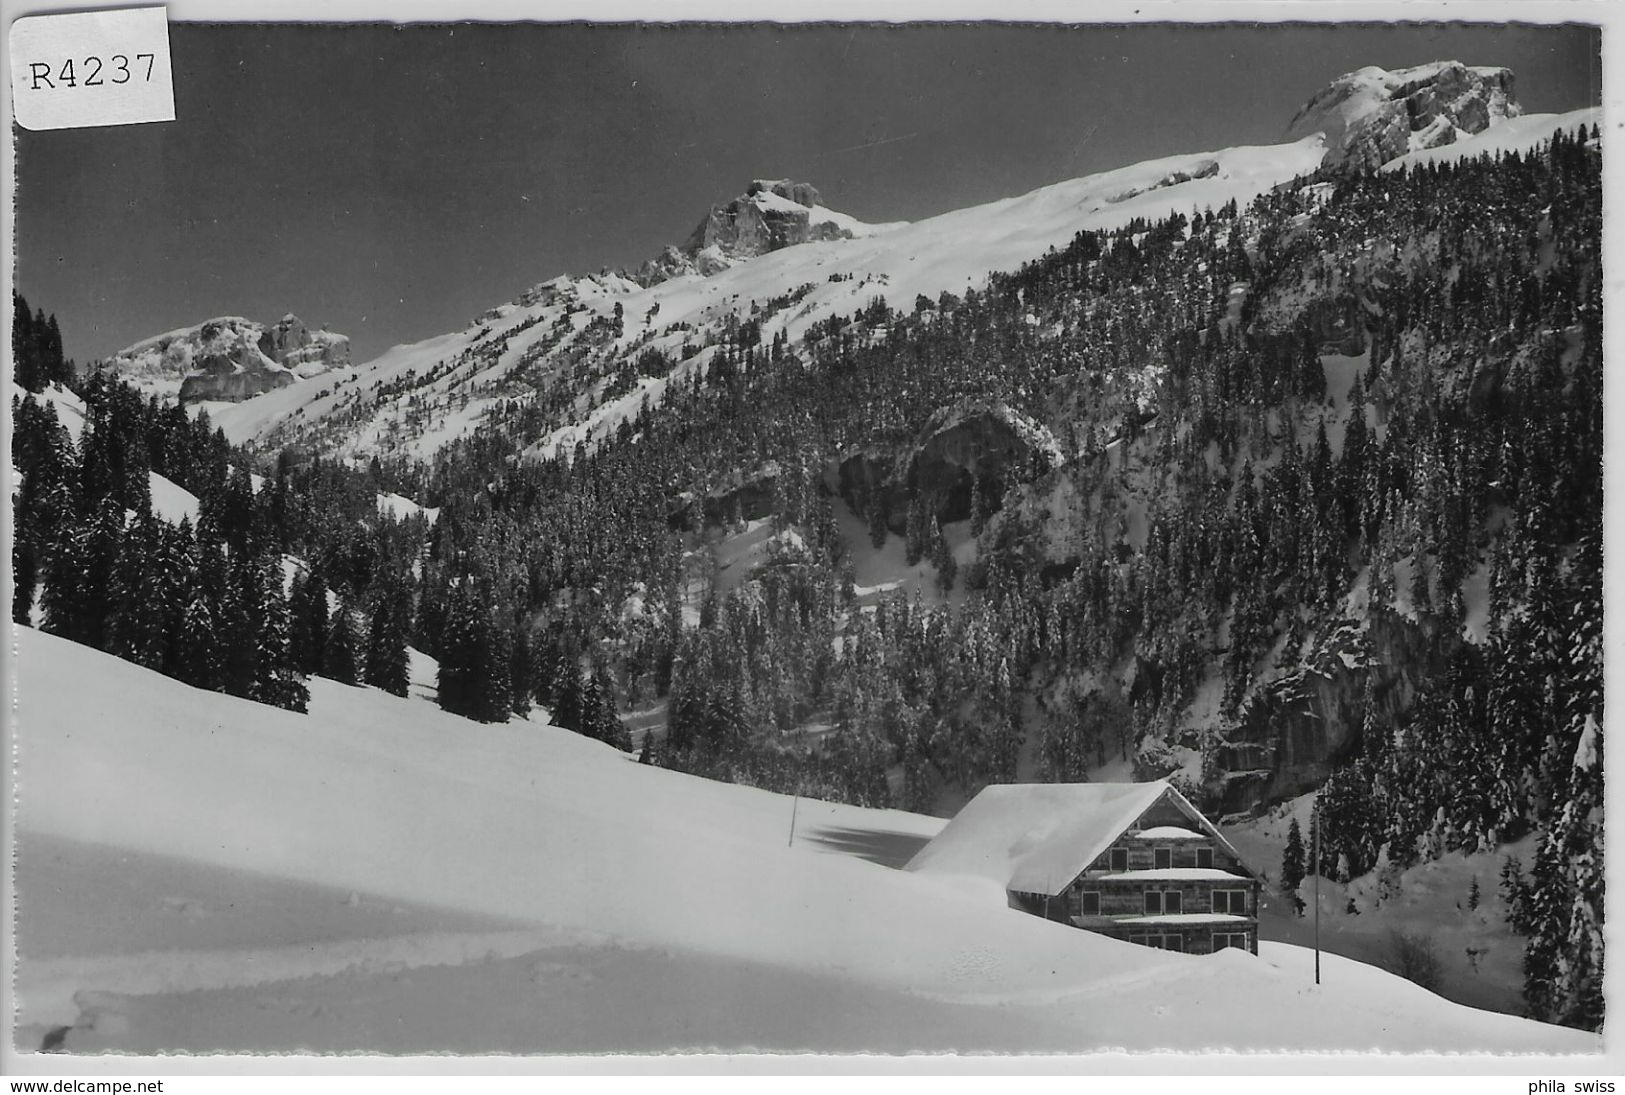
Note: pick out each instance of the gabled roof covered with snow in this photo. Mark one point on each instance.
(1038, 837)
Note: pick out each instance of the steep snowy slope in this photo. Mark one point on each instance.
(504, 879)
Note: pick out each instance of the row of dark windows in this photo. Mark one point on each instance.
(1161, 858)
(1172, 941)
(1169, 902)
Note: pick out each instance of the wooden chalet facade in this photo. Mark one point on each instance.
(1131, 861)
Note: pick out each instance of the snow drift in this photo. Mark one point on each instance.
(639, 880)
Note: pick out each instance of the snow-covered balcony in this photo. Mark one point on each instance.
(1173, 874)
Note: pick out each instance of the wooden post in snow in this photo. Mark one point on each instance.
(794, 806)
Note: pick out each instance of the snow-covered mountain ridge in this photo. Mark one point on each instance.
(561, 345)
(565, 340)
(1372, 116)
(565, 355)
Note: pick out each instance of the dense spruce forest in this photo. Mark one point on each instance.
(1338, 451)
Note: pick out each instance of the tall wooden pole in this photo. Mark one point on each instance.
(794, 806)
(1317, 893)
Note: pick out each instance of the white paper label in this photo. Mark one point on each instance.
(92, 68)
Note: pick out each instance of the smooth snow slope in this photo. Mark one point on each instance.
(594, 855)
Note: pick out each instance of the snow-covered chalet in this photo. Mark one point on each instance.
(1134, 861)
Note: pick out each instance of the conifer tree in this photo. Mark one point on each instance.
(599, 718)
(99, 559)
(387, 662)
(454, 649)
(875, 516)
(173, 590)
(1292, 860)
(917, 531)
(568, 705)
(63, 593)
(308, 621)
(494, 701)
(26, 371)
(198, 648)
(277, 681)
(241, 618)
(339, 652)
(521, 670)
(24, 564)
(942, 557)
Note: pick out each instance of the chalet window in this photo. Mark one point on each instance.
(1237, 940)
(1173, 902)
(1153, 903)
(1158, 940)
(1089, 903)
(1204, 857)
(1233, 902)
(1119, 859)
(1164, 858)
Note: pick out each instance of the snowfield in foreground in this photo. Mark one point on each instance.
(202, 873)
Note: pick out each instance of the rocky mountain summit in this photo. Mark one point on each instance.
(230, 359)
(1374, 115)
(770, 215)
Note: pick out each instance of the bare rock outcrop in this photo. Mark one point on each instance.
(308, 352)
(1372, 116)
(770, 215)
(229, 359)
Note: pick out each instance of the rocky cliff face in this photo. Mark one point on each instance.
(1373, 115)
(771, 214)
(289, 342)
(958, 446)
(1299, 728)
(230, 359)
(768, 216)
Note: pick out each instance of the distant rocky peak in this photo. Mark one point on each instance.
(230, 358)
(771, 214)
(799, 192)
(1375, 115)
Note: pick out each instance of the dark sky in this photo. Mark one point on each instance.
(393, 183)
